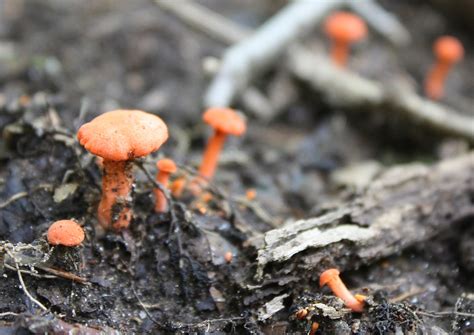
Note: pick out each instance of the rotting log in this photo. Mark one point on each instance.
(407, 204)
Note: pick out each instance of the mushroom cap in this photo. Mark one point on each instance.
(121, 135)
(166, 165)
(65, 232)
(327, 276)
(345, 26)
(225, 120)
(448, 49)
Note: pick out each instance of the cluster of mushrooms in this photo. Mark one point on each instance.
(344, 28)
(118, 137)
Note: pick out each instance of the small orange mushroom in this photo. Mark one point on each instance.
(331, 278)
(225, 121)
(301, 314)
(314, 328)
(65, 232)
(343, 28)
(118, 137)
(448, 51)
(177, 186)
(228, 256)
(166, 167)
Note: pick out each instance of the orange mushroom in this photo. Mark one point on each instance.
(177, 186)
(343, 28)
(225, 121)
(228, 257)
(448, 51)
(118, 137)
(165, 168)
(331, 278)
(65, 232)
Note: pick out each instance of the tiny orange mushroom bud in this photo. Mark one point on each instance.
(251, 194)
(360, 297)
(166, 167)
(343, 28)
(225, 121)
(228, 256)
(448, 51)
(301, 314)
(177, 186)
(314, 328)
(331, 278)
(65, 232)
(119, 137)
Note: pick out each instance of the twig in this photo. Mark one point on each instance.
(145, 309)
(407, 295)
(25, 289)
(206, 323)
(443, 314)
(381, 21)
(63, 274)
(208, 21)
(157, 185)
(257, 210)
(23, 194)
(36, 275)
(8, 314)
(346, 89)
(13, 198)
(54, 273)
(244, 60)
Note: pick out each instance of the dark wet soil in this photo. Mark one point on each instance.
(63, 63)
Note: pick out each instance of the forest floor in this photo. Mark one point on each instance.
(63, 63)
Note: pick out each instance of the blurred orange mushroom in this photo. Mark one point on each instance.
(166, 167)
(225, 121)
(65, 232)
(331, 278)
(448, 51)
(343, 28)
(118, 137)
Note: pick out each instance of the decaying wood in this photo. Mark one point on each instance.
(349, 90)
(408, 204)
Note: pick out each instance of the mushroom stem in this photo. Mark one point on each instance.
(340, 290)
(161, 205)
(434, 85)
(114, 207)
(339, 52)
(211, 155)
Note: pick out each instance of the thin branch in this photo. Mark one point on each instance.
(381, 21)
(25, 289)
(8, 314)
(348, 90)
(443, 314)
(245, 59)
(64, 274)
(208, 21)
(24, 194)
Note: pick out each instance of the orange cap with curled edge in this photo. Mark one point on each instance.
(122, 135)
